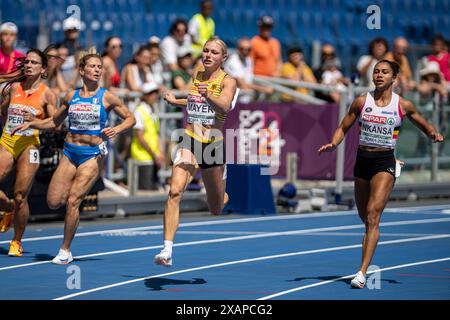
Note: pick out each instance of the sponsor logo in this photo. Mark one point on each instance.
(391, 121)
(387, 112)
(374, 119)
(368, 109)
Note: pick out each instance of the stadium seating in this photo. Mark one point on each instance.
(340, 22)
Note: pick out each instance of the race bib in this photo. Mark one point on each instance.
(16, 118)
(103, 149)
(199, 111)
(34, 156)
(84, 117)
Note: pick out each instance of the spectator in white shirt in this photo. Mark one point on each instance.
(176, 41)
(240, 66)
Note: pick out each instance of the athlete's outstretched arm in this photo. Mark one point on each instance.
(113, 102)
(419, 121)
(345, 125)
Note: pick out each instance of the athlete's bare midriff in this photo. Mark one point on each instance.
(83, 139)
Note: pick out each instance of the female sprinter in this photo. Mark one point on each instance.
(25, 97)
(84, 146)
(201, 143)
(380, 114)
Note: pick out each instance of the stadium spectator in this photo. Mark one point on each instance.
(112, 52)
(378, 48)
(177, 40)
(55, 80)
(71, 27)
(240, 66)
(431, 81)
(398, 54)
(296, 69)
(266, 50)
(181, 77)
(201, 27)
(145, 145)
(332, 76)
(137, 71)
(9, 57)
(327, 52)
(156, 66)
(440, 55)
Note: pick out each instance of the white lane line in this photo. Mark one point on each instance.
(351, 276)
(247, 261)
(195, 224)
(206, 232)
(253, 236)
(230, 221)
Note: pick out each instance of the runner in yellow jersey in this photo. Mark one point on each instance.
(201, 144)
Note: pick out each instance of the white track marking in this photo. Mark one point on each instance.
(239, 220)
(351, 276)
(218, 265)
(247, 237)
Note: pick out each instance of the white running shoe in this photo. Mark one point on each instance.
(359, 281)
(63, 257)
(164, 258)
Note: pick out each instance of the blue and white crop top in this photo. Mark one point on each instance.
(87, 115)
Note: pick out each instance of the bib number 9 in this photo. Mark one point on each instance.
(34, 156)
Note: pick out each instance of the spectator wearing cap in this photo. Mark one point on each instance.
(145, 145)
(177, 40)
(296, 69)
(441, 55)
(181, 77)
(405, 77)
(266, 50)
(431, 81)
(8, 55)
(71, 27)
(240, 66)
(201, 27)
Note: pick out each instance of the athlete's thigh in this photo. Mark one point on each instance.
(6, 163)
(182, 175)
(184, 169)
(381, 187)
(26, 168)
(85, 177)
(61, 182)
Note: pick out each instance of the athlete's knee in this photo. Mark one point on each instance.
(20, 198)
(175, 193)
(373, 217)
(54, 203)
(74, 201)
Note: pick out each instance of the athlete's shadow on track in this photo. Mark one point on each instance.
(346, 281)
(157, 284)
